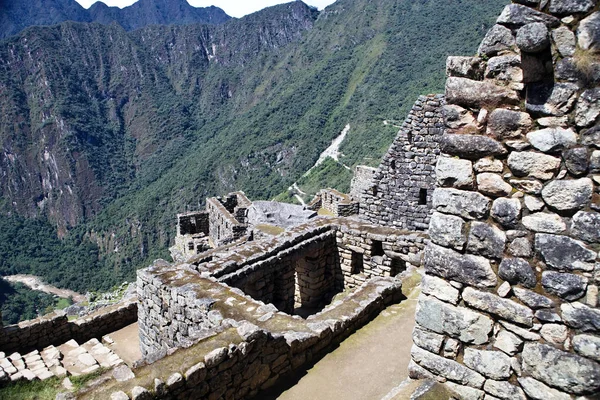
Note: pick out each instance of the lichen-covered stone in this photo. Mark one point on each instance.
(533, 299)
(497, 39)
(530, 186)
(447, 368)
(471, 147)
(552, 139)
(586, 226)
(568, 195)
(588, 32)
(568, 286)
(428, 340)
(447, 230)
(486, 240)
(538, 391)
(587, 345)
(562, 7)
(576, 161)
(503, 123)
(508, 342)
(533, 38)
(464, 268)
(504, 390)
(492, 364)
(588, 107)
(547, 316)
(469, 205)
(469, 93)
(580, 316)
(459, 322)
(440, 289)
(564, 253)
(565, 41)
(506, 212)
(566, 371)
(504, 308)
(591, 137)
(454, 172)
(520, 247)
(519, 15)
(465, 67)
(554, 333)
(507, 70)
(531, 164)
(544, 222)
(551, 99)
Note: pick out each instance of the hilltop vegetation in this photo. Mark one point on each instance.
(107, 134)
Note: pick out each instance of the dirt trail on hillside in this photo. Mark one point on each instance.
(36, 283)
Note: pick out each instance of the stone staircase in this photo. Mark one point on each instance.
(68, 359)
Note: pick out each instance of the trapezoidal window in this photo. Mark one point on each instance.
(356, 263)
(376, 248)
(422, 197)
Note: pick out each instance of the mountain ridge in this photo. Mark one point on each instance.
(18, 15)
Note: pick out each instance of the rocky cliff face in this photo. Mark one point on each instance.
(18, 15)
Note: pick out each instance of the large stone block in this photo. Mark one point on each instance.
(504, 308)
(580, 316)
(517, 271)
(503, 123)
(493, 185)
(504, 390)
(476, 94)
(471, 147)
(587, 345)
(555, 99)
(454, 172)
(566, 371)
(519, 15)
(428, 340)
(563, 253)
(464, 268)
(568, 286)
(469, 205)
(506, 212)
(588, 107)
(562, 7)
(552, 139)
(447, 230)
(486, 240)
(568, 195)
(586, 226)
(533, 38)
(497, 39)
(538, 391)
(588, 33)
(466, 325)
(544, 222)
(531, 164)
(492, 364)
(447, 368)
(533, 299)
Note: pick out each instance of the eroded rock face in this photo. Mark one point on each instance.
(551, 99)
(470, 147)
(447, 230)
(486, 240)
(570, 6)
(565, 41)
(454, 173)
(586, 225)
(560, 369)
(552, 139)
(532, 164)
(580, 316)
(588, 107)
(506, 212)
(587, 345)
(538, 391)
(568, 286)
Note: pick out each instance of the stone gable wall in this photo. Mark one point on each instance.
(509, 304)
(401, 189)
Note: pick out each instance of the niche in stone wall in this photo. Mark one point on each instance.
(422, 197)
(376, 248)
(357, 265)
(397, 266)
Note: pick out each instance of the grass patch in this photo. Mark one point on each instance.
(44, 390)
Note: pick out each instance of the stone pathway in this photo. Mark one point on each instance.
(67, 359)
(371, 364)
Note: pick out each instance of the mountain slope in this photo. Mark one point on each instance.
(18, 15)
(116, 132)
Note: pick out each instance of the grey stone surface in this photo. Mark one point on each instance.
(459, 322)
(504, 390)
(519, 15)
(465, 392)
(538, 391)
(454, 172)
(587, 345)
(429, 341)
(586, 226)
(588, 32)
(451, 348)
(439, 288)
(488, 164)
(123, 373)
(591, 137)
(533, 38)
(576, 161)
(140, 393)
(507, 70)
(506, 212)
(497, 39)
(486, 240)
(465, 67)
(588, 107)
(469, 93)
(120, 395)
(457, 117)
(533, 164)
(508, 342)
(580, 316)
(469, 205)
(471, 147)
(565, 41)
(568, 195)
(544, 222)
(595, 162)
(517, 271)
(554, 333)
(506, 309)
(520, 247)
(493, 185)
(464, 268)
(568, 286)
(552, 139)
(551, 99)
(447, 368)
(529, 186)
(570, 6)
(447, 230)
(492, 364)
(503, 123)
(567, 70)
(566, 371)
(533, 299)
(563, 253)
(547, 316)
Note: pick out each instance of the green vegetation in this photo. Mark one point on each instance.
(19, 303)
(144, 125)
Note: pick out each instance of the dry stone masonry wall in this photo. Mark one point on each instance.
(401, 189)
(509, 306)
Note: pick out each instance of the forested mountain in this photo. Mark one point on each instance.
(107, 134)
(16, 15)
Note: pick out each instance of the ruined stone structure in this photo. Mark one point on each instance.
(401, 190)
(335, 202)
(509, 306)
(361, 181)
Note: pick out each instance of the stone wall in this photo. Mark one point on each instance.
(192, 223)
(55, 328)
(361, 181)
(401, 189)
(509, 305)
(227, 218)
(337, 203)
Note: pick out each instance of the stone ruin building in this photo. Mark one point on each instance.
(493, 189)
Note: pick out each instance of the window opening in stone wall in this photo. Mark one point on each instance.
(422, 197)
(397, 266)
(376, 248)
(356, 263)
(191, 246)
(393, 164)
(409, 136)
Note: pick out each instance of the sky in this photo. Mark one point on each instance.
(235, 8)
